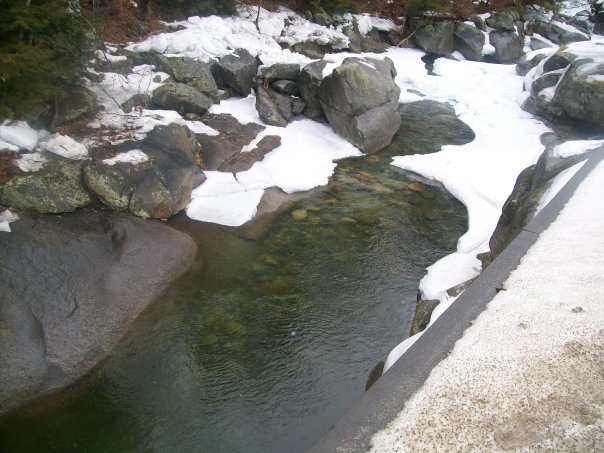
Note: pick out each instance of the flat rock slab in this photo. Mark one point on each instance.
(71, 286)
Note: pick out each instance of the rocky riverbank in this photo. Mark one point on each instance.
(214, 127)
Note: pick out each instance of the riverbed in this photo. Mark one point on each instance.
(266, 342)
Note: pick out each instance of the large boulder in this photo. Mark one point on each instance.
(309, 82)
(569, 86)
(182, 98)
(56, 188)
(360, 100)
(580, 92)
(469, 40)
(154, 188)
(76, 103)
(238, 71)
(191, 72)
(508, 45)
(436, 38)
(71, 285)
(281, 71)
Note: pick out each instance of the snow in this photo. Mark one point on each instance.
(65, 146)
(5, 146)
(209, 38)
(6, 217)
(19, 135)
(304, 160)
(575, 147)
(134, 157)
(31, 162)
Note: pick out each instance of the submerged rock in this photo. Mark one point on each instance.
(71, 285)
(427, 126)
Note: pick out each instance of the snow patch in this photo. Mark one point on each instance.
(134, 157)
(19, 135)
(575, 147)
(31, 162)
(65, 146)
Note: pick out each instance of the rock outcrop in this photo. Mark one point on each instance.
(71, 285)
(568, 85)
(436, 38)
(182, 98)
(360, 100)
(238, 71)
(156, 188)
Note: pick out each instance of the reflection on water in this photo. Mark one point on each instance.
(264, 347)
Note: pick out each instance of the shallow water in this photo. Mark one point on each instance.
(264, 347)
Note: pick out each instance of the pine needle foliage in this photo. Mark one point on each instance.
(44, 46)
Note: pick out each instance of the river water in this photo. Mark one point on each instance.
(268, 343)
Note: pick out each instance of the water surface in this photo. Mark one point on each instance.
(268, 343)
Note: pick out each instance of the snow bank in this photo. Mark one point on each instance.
(575, 147)
(19, 135)
(207, 38)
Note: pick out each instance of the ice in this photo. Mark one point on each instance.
(134, 157)
(20, 135)
(65, 146)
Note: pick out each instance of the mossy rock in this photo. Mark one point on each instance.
(57, 188)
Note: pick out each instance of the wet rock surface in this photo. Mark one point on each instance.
(71, 285)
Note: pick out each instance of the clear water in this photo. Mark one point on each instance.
(268, 343)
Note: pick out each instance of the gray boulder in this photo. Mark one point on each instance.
(558, 33)
(238, 71)
(580, 93)
(469, 41)
(528, 62)
(508, 45)
(267, 109)
(225, 147)
(282, 71)
(309, 49)
(182, 98)
(275, 108)
(354, 37)
(71, 286)
(372, 42)
(503, 21)
(360, 100)
(309, 82)
(436, 38)
(56, 188)
(182, 69)
(158, 188)
(539, 43)
(287, 87)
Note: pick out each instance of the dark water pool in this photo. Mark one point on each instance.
(268, 344)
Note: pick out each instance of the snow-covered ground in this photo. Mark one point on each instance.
(527, 375)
